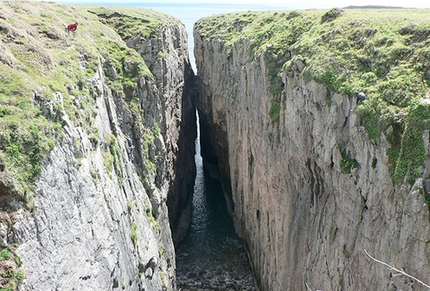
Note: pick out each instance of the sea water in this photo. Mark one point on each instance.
(212, 256)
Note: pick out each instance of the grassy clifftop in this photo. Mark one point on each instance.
(39, 61)
(382, 52)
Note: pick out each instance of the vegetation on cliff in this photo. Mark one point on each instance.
(11, 275)
(44, 73)
(48, 77)
(382, 52)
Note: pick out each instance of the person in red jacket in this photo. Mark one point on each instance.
(72, 28)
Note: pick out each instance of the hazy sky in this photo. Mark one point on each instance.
(290, 3)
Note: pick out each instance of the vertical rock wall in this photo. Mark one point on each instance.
(102, 224)
(175, 80)
(305, 221)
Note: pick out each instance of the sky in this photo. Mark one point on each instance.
(297, 4)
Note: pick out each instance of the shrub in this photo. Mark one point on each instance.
(347, 163)
(5, 255)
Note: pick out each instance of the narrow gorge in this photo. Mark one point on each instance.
(98, 130)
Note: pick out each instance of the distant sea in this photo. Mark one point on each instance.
(190, 13)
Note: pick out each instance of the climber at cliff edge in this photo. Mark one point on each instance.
(360, 97)
(72, 28)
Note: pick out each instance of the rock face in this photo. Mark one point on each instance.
(175, 80)
(305, 221)
(101, 217)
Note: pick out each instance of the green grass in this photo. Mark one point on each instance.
(131, 22)
(163, 280)
(152, 219)
(112, 157)
(5, 255)
(44, 60)
(10, 270)
(382, 52)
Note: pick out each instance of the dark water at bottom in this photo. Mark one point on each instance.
(212, 256)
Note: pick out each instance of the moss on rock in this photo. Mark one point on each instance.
(44, 74)
(382, 52)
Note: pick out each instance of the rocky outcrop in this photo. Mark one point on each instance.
(175, 80)
(305, 219)
(100, 220)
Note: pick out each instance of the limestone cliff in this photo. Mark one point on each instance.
(309, 182)
(93, 129)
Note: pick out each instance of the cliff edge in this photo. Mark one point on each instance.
(314, 179)
(92, 129)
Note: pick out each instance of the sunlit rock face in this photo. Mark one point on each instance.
(305, 217)
(100, 219)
